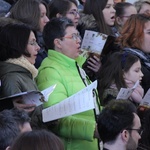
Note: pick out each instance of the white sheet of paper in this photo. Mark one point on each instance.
(77, 103)
(146, 99)
(93, 41)
(48, 91)
(38, 97)
(125, 93)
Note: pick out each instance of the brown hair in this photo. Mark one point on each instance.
(28, 11)
(132, 31)
(60, 6)
(138, 4)
(37, 140)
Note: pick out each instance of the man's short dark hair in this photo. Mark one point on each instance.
(10, 122)
(55, 28)
(9, 129)
(116, 116)
(20, 116)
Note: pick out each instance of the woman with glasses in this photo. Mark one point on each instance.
(64, 8)
(61, 68)
(18, 52)
(123, 11)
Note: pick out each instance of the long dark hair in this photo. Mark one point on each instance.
(112, 71)
(95, 7)
(28, 12)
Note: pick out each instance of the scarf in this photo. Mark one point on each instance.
(23, 62)
(145, 58)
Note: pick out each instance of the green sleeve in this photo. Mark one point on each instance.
(76, 128)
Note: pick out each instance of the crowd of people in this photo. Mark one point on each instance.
(40, 46)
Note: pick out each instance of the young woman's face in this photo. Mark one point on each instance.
(32, 48)
(73, 14)
(70, 43)
(128, 11)
(146, 38)
(109, 13)
(145, 8)
(43, 17)
(134, 73)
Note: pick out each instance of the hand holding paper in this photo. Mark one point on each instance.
(93, 41)
(125, 93)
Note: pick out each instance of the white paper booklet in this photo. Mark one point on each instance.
(146, 99)
(77, 103)
(125, 93)
(34, 97)
(93, 41)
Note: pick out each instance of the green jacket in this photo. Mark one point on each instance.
(77, 130)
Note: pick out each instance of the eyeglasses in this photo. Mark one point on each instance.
(33, 43)
(75, 13)
(74, 36)
(140, 131)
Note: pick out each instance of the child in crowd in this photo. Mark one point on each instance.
(134, 39)
(121, 70)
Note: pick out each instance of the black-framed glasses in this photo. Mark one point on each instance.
(74, 36)
(140, 131)
(33, 43)
(75, 13)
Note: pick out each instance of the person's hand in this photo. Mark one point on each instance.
(94, 63)
(17, 102)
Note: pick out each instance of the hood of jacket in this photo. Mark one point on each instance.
(6, 68)
(86, 22)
